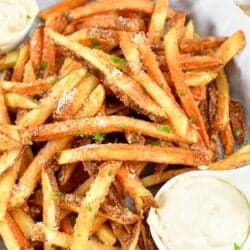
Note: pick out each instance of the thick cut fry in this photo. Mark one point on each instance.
(133, 187)
(195, 79)
(227, 139)
(15, 100)
(36, 48)
(184, 93)
(110, 5)
(93, 104)
(60, 8)
(237, 159)
(20, 63)
(71, 102)
(111, 22)
(106, 235)
(176, 116)
(222, 114)
(47, 104)
(104, 124)
(9, 60)
(31, 176)
(133, 152)
(41, 233)
(28, 88)
(161, 177)
(29, 73)
(91, 203)
(157, 22)
(128, 90)
(12, 235)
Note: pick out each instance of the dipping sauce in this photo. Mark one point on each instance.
(201, 213)
(16, 18)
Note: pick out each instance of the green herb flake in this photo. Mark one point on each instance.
(110, 173)
(28, 17)
(193, 120)
(237, 132)
(96, 45)
(99, 137)
(125, 209)
(236, 247)
(57, 195)
(118, 60)
(154, 142)
(163, 128)
(182, 93)
(43, 65)
(89, 208)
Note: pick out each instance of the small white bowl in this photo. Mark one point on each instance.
(237, 177)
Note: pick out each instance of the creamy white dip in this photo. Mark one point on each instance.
(16, 17)
(201, 213)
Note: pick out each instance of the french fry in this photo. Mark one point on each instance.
(4, 116)
(29, 73)
(29, 88)
(178, 22)
(93, 104)
(187, 100)
(9, 60)
(222, 114)
(103, 124)
(15, 100)
(199, 78)
(157, 21)
(135, 237)
(20, 63)
(227, 139)
(69, 66)
(106, 235)
(111, 22)
(36, 48)
(132, 152)
(91, 203)
(129, 91)
(189, 32)
(235, 160)
(12, 235)
(48, 103)
(59, 8)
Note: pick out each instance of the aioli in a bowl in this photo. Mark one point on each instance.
(16, 18)
(201, 212)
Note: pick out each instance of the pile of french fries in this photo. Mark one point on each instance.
(104, 100)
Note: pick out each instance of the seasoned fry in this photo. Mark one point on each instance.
(178, 22)
(9, 60)
(172, 54)
(29, 73)
(14, 100)
(227, 139)
(199, 78)
(91, 204)
(132, 152)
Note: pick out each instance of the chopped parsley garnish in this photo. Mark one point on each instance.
(237, 132)
(96, 45)
(236, 247)
(126, 209)
(118, 60)
(99, 137)
(154, 142)
(57, 195)
(89, 208)
(28, 17)
(182, 93)
(110, 173)
(193, 120)
(163, 128)
(43, 65)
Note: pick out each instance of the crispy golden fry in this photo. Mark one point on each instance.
(20, 63)
(29, 72)
(69, 66)
(178, 22)
(184, 93)
(41, 233)
(189, 32)
(15, 100)
(31, 176)
(157, 21)
(128, 90)
(237, 159)
(110, 5)
(106, 235)
(36, 47)
(4, 116)
(28, 88)
(222, 114)
(12, 235)
(91, 203)
(194, 79)
(60, 8)
(9, 60)
(227, 139)
(71, 102)
(132, 152)
(47, 104)
(93, 104)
